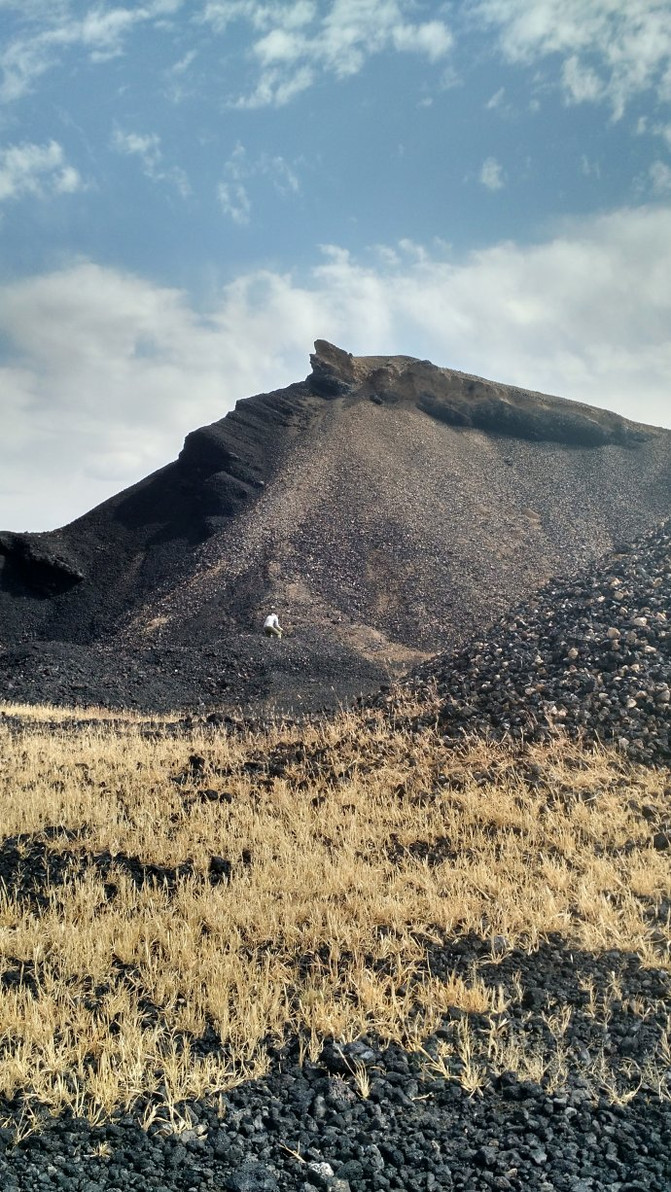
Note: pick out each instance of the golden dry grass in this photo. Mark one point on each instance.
(323, 927)
(50, 713)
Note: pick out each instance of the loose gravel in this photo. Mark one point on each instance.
(590, 655)
(235, 670)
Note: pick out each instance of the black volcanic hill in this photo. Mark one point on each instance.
(385, 507)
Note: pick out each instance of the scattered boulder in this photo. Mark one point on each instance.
(251, 1177)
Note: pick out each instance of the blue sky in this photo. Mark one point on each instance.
(192, 191)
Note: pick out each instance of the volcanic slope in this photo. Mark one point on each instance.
(385, 507)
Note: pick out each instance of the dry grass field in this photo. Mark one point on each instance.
(172, 905)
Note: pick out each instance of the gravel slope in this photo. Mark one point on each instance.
(363, 1117)
(590, 655)
(237, 670)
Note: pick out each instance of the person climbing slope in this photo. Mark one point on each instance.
(271, 626)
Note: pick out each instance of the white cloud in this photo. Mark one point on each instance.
(37, 170)
(660, 177)
(491, 174)
(107, 372)
(290, 44)
(432, 38)
(610, 49)
(53, 29)
(276, 89)
(581, 82)
(240, 169)
(280, 45)
(235, 202)
(184, 64)
(181, 80)
(222, 13)
(297, 42)
(283, 178)
(147, 148)
(655, 128)
(237, 166)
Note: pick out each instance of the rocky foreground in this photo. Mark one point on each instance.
(365, 1118)
(502, 911)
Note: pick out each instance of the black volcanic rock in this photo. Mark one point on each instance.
(37, 565)
(385, 507)
(126, 548)
(334, 372)
(305, 1125)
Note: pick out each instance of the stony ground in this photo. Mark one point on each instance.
(369, 1117)
(546, 1065)
(237, 670)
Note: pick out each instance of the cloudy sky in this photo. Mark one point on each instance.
(192, 191)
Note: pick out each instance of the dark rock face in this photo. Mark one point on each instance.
(75, 584)
(333, 371)
(35, 565)
(385, 507)
(471, 403)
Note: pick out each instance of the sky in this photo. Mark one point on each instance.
(193, 191)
